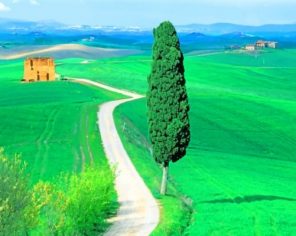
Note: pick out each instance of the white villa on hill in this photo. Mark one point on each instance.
(266, 44)
(250, 47)
(261, 44)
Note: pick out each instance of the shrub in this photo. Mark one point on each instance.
(17, 212)
(90, 200)
(80, 203)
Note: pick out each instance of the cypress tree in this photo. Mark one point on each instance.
(167, 100)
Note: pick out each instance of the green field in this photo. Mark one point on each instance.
(52, 125)
(240, 169)
(124, 72)
(238, 177)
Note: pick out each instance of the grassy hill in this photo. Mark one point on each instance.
(240, 166)
(52, 125)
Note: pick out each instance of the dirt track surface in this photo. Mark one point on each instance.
(139, 212)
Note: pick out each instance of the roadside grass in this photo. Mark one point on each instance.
(239, 170)
(174, 208)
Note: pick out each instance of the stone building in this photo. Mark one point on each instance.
(250, 47)
(272, 44)
(261, 44)
(39, 69)
(266, 44)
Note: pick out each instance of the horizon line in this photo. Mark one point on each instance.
(107, 25)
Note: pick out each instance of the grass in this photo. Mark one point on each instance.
(52, 125)
(239, 171)
(127, 72)
(240, 167)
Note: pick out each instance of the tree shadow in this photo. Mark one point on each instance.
(248, 199)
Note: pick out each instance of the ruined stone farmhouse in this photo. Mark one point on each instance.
(39, 69)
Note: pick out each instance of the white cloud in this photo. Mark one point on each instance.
(15, 1)
(34, 2)
(4, 7)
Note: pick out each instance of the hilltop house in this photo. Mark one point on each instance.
(266, 44)
(260, 44)
(250, 47)
(39, 69)
(271, 44)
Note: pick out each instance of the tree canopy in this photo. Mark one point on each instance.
(167, 99)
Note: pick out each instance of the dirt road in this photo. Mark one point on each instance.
(139, 212)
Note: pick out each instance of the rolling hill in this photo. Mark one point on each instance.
(15, 33)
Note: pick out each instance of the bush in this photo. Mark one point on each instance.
(79, 204)
(17, 212)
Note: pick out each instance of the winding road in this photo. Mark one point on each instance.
(138, 212)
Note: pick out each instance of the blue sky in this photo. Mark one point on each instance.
(148, 13)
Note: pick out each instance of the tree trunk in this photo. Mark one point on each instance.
(165, 172)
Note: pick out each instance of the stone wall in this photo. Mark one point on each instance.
(39, 69)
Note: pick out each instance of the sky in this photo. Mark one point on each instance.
(148, 13)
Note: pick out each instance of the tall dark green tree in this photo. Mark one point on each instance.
(167, 100)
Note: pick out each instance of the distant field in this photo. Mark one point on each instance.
(64, 51)
(240, 167)
(126, 72)
(52, 125)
